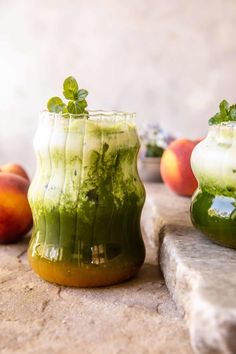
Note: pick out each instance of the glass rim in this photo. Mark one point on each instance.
(227, 124)
(92, 114)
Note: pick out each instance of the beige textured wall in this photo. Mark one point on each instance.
(171, 61)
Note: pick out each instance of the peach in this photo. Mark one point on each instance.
(14, 168)
(176, 169)
(15, 212)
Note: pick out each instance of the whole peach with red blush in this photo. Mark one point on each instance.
(176, 169)
(15, 212)
(14, 168)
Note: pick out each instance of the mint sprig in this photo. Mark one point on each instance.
(77, 99)
(227, 113)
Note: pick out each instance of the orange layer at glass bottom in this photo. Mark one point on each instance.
(82, 276)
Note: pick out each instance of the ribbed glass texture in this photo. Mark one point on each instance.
(86, 199)
(213, 208)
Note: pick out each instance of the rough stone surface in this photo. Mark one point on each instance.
(134, 317)
(200, 275)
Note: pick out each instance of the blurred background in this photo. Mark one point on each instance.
(169, 61)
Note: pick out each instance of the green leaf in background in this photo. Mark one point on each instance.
(56, 105)
(153, 150)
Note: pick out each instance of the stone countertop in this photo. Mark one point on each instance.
(137, 316)
(200, 275)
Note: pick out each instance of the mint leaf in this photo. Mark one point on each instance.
(81, 104)
(226, 114)
(82, 94)
(70, 88)
(76, 97)
(233, 113)
(216, 119)
(69, 95)
(224, 105)
(76, 107)
(80, 107)
(56, 105)
(70, 84)
(71, 107)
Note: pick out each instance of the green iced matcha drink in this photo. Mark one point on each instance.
(213, 208)
(86, 199)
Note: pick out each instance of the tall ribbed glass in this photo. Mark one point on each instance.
(86, 199)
